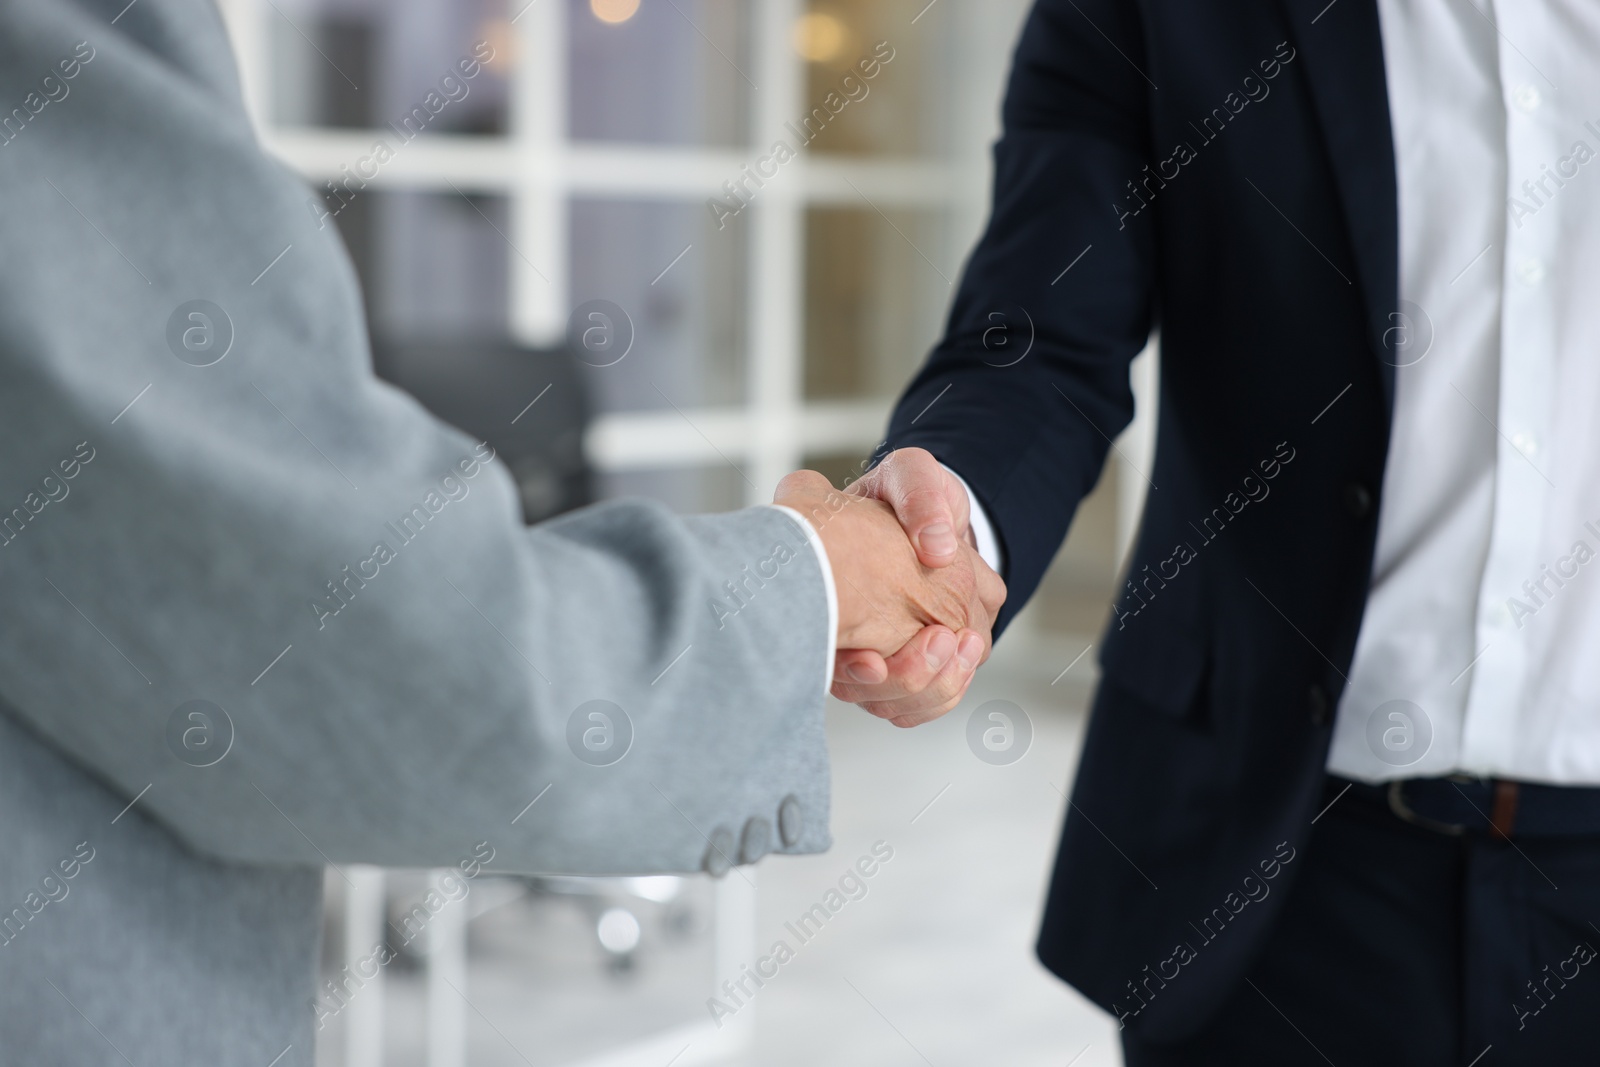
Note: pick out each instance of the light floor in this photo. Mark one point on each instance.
(935, 965)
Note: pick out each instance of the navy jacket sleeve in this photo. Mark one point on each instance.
(1028, 387)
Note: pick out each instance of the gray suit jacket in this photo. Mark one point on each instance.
(218, 503)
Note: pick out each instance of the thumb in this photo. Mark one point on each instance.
(859, 666)
(931, 505)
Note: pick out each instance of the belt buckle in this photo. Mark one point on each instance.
(1398, 805)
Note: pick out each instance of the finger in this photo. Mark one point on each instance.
(978, 654)
(801, 482)
(990, 589)
(940, 695)
(908, 671)
(942, 692)
(906, 722)
(930, 504)
(859, 666)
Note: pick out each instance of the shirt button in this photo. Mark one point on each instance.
(1526, 97)
(1524, 443)
(1358, 500)
(1530, 271)
(1317, 705)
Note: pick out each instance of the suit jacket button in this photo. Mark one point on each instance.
(756, 840)
(719, 853)
(1358, 500)
(1317, 705)
(791, 821)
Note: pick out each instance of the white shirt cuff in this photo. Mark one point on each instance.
(827, 585)
(982, 529)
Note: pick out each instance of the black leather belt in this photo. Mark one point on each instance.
(1493, 807)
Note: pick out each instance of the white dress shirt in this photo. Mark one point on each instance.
(984, 541)
(1480, 648)
(1484, 612)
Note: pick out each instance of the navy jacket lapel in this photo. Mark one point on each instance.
(1342, 46)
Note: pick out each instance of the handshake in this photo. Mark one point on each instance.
(916, 601)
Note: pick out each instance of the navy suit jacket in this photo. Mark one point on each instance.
(1223, 172)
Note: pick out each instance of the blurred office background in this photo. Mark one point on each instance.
(568, 177)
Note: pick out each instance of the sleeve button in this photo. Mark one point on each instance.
(756, 840)
(719, 853)
(1358, 500)
(791, 821)
(1317, 705)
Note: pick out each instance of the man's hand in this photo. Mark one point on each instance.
(887, 597)
(931, 674)
(928, 500)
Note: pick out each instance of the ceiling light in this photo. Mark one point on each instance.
(614, 11)
(818, 37)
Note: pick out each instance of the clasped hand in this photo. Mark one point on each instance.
(916, 602)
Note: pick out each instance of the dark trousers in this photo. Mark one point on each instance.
(1401, 945)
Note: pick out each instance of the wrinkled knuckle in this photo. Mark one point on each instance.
(948, 687)
(924, 502)
(868, 484)
(909, 676)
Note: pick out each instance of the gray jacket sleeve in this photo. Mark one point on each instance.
(272, 598)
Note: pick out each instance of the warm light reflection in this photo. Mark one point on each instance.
(613, 10)
(818, 36)
(498, 35)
